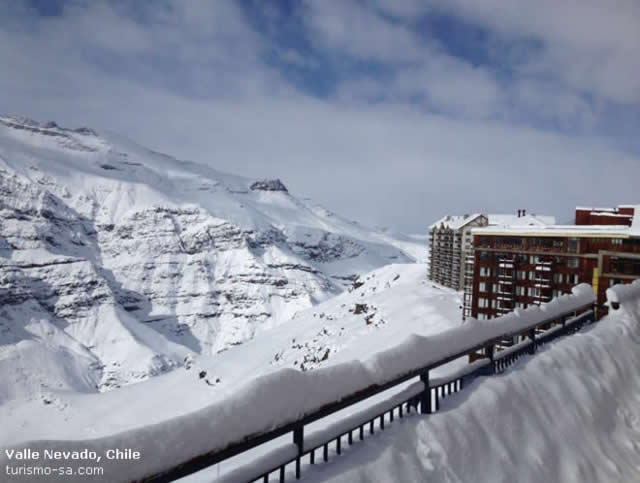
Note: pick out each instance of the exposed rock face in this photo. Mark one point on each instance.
(128, 261)
(268, 185)
(328, 247)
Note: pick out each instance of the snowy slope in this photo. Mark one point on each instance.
(569, 414)
(398, 299)
(261, 400)
(128, 261)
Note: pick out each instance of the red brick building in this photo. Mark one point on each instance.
(514, 267)
(622, 215)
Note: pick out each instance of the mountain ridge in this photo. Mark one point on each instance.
(142, 259)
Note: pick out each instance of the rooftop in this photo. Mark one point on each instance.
(591, 208)
(593, 231)
(454, 222)
(528, 219)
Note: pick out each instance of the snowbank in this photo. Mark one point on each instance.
(273, 400)
(571, 413)
(619, 294)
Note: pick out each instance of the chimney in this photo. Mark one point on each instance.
(524, 212)
(518, 213)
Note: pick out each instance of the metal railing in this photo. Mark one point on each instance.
(422, 396)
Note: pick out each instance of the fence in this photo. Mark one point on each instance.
(423, 396)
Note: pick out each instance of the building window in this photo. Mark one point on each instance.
(485, 272)
(555, 293)
(483, 303)
(520, 291)
(573, 262)
(522, 275)
(494, 288)
(494, 304)
(558, 278)
(482, 287)
(519, 305)
(573, 245)
(532, 275)
(625, 266)
(531, 291)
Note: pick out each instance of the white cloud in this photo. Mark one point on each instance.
(350, 28)
(386, 162)
(591, 45)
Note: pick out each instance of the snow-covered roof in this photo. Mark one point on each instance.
(618, 215)
(618, 231)
(510, 220)
(634, 229)
(600, 209)
(458, 221)
(454, 222)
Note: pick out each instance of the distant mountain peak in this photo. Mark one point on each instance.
(269, 185)
(21, 122)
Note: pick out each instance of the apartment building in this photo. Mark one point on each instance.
(514, 267)
(451, 242)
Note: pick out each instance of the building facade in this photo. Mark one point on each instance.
(515, 267)
(622, 215)
(451, 242)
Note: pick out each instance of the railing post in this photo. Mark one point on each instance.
(425, 397)
(532, 336)
(298, 440)
(490, 349)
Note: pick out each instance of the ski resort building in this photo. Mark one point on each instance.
(451, 242)
(517, 266)
(622, 215)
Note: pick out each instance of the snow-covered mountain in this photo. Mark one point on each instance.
(118, 262)
(380, 311)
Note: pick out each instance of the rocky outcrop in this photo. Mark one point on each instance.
(268, 185)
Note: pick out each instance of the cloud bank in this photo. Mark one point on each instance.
(390, 112)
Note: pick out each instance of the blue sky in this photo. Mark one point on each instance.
(392, 112)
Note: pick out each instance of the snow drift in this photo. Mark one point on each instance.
(570, 413)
